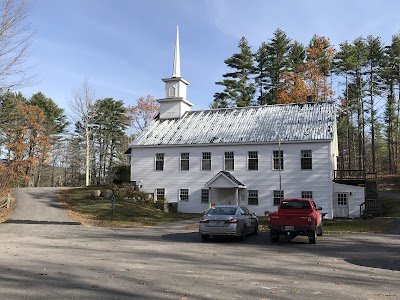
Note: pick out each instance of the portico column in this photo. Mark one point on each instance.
(237, 196)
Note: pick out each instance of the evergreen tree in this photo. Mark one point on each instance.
(261, 72)
(390, 75)
(277, 63)
(56, 119)
(374, 62)
(297, 55)
(238, 86)
(356, 92)
(344, 63)
(111, 121)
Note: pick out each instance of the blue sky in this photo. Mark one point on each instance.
(125, 47)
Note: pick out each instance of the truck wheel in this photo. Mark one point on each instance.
(274, 236)
(312, 238)
(320, 230)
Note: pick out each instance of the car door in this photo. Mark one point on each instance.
(248, 218)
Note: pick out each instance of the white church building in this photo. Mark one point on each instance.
(252, 156)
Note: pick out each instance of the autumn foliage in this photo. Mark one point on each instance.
(308, 80)
(28, 145)
(293, 89)
(141, 113)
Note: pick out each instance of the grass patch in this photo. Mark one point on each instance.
(375, 225)
(127, 212)
(390, 207)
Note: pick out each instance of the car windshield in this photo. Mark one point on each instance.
(222, 211)
(295, 204)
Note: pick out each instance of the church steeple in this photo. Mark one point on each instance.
(176, 71)
(175, 104)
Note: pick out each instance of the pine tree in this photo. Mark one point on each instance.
(357, 92)
(261, 71)
(297, 55)
(375, 54)
(344, 63)
(238, 85)
(390, 75)
(277, 63)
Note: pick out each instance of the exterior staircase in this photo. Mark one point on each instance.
(372, 205)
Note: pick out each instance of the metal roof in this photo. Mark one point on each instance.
(310, 121)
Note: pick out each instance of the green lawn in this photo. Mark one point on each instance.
(127, 212)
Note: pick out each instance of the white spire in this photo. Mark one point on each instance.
(176, 72)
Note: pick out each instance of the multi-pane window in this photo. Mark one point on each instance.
(229, 161)
(253, 160)
(278, 196)
(306, 194)
(184, 161)
(184, 195)
(206, 161)
(306, 159)
(160, 194)
(278, 159)
(253, 197)
(159, 161)
(205, 195)
(342, 199)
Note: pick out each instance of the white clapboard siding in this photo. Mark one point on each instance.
(265, 180)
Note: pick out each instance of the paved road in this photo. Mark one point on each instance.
(38, 205)
(59, 261)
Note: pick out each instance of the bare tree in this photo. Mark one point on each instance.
(15, 38)
(82, 107)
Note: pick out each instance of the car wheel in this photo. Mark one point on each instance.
(320, 230)
(205, 237)
(256, 228)
(312, 238)
(274, 236)
(242, 236)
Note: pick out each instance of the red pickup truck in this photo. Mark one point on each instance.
(296, 216)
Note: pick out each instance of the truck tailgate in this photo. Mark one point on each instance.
(290, 220)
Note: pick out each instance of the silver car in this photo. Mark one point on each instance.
(228, 220)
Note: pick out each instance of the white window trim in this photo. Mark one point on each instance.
(155, 162)
(201, 196)
(201, 161)
(155, 193)
(180, 161)
(179, 195)
(283, 160)
(223, 157)
(248, 161)
(258, 198)
(301, 157)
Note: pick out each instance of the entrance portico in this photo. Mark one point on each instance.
(226, 189)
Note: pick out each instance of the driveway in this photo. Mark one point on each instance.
(59, 260)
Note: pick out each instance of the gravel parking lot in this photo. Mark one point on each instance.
(54, 260)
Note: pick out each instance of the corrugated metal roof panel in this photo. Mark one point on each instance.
(256, 124)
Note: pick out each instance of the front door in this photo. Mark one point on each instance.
(341, 205)
(226, 196)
